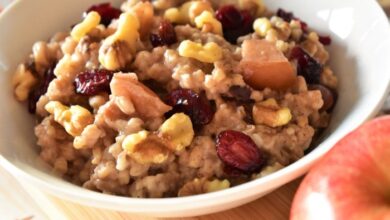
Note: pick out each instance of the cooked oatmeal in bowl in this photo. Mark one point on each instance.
(176, 98)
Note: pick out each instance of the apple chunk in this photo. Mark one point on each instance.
(265, 66)
(352, 181)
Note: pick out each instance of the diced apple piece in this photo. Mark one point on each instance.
(145, 101)
(265, 66)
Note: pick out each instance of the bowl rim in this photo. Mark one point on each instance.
(290, 172)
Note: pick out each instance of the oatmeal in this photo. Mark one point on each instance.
(174, 98)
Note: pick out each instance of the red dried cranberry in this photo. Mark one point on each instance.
(40, 90)
(328, 96)
(307, 66)
(288, 16)
(92, 82)
(238, 150)
(248, 107)
(191, 103)
(232, 172)
(229, 16)
(325, 40)
(156, 40)
(304, 26)
(247, 22)
(106, 12)
(240, 93)
(166, 35)
(235, 23)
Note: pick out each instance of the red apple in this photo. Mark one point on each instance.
(352, 181)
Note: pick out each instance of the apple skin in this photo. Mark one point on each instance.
(352, 181)
(264, 66)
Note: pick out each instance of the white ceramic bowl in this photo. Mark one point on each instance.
(360, 56)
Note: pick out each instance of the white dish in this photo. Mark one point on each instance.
(359, 56)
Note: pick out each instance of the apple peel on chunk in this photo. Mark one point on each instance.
(264, 66)
(146, 102)
(352, 181)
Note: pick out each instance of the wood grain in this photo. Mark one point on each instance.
(15, 203)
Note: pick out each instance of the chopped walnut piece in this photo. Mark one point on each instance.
(145, 13)
(269, 113)
(178, 130)
(74, 118)
(146, 148)
(88, 137)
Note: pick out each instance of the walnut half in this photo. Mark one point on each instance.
(271, 114)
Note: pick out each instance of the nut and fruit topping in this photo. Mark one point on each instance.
(265, 66)
(40, 90)
(174, 135)
(307, 66)
(325, 40)
(166, 35)
(74, 118)
(235, 23)
(207, 53)
(146, 148)
(127, 32)
(178, 130)
(146, 102)
(23, 81)
(106, 12)
(93, 82)
(328, 96)
(238, 150)
(91, 20)
(269, 113)
(192, 104)
(288, 16)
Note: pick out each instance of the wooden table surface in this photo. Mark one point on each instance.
(21, 201)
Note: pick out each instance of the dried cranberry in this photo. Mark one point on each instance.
(106, 12)
(232, 172)
(304, 26)
(307, 66)
(288, 16)
(235, 23)
(241, 96)
(92, 82)
(247, 22)
(328, 96)
(238, 150)
(325, 40)
(240, 93)
(229, 16)
(166, 35)
(40, 90)
(191, 103)
(158, 88)
(248, 107)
